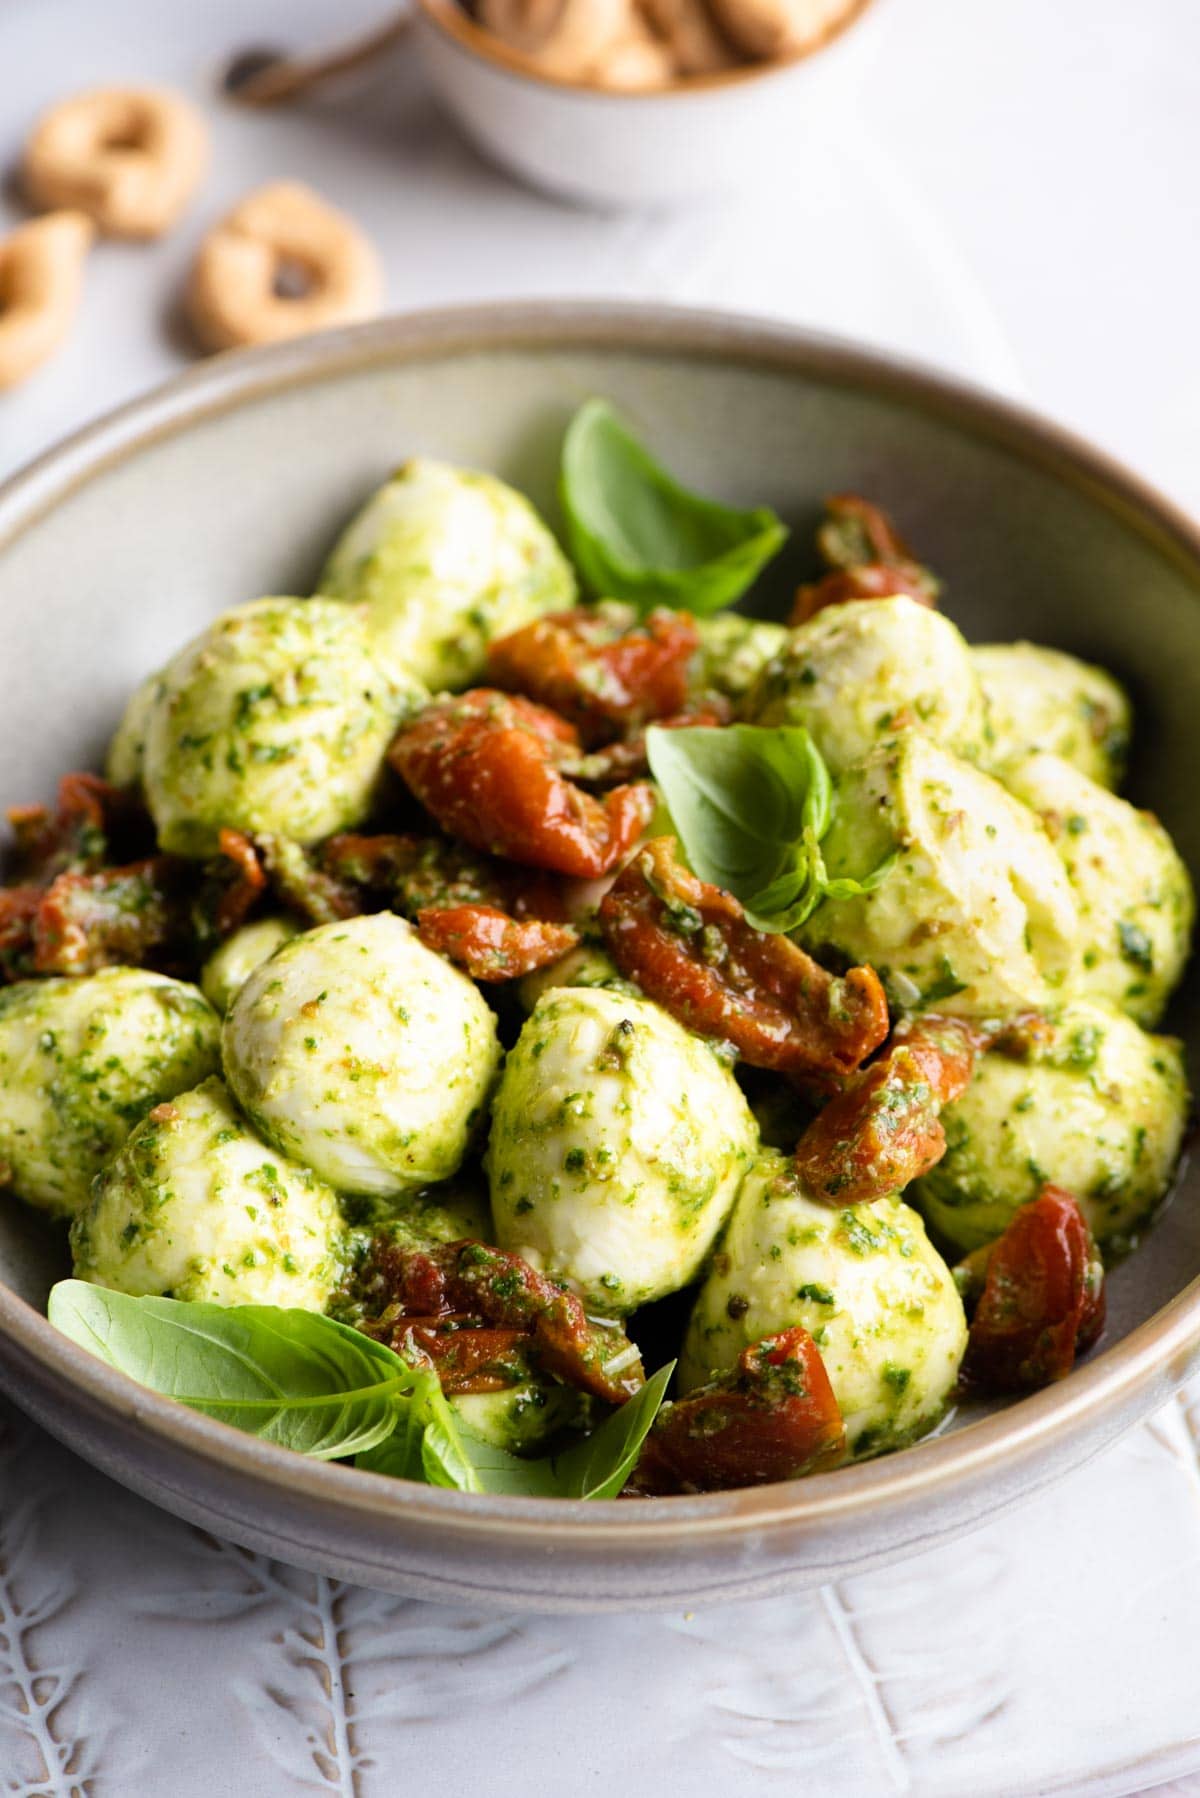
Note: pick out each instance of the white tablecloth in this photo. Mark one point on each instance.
(1014, 196)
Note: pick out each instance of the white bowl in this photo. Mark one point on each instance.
(708, 134)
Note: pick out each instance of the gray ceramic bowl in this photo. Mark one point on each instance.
(231, 482)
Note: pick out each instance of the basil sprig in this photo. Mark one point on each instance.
(751, 805)
(636, 534)
(304, 1382)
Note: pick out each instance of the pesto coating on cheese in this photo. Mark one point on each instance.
(855, 674)
(618, 1142)
(227, 970)
(81, 1062)
(277, 719)
(977, 915)
(196, 1206)
(864, 1281)
(444, 559)
(1135, 896)
(1044, 699)
(358, 1051)
(1099, 1108)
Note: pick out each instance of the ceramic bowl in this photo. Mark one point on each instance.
(231, 482)
(707, 135)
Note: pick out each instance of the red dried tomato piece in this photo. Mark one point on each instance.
(688, 946)
(248, 883)
(469, 1356)
(489, 944)
(774, 1418)
(1043, 1300)
(600, 667)
(74, 835)
(868, 557)
(499, 1291)
(115, 916)
(18, 910)
(484, 765)
(884, 1129)
(873, 580)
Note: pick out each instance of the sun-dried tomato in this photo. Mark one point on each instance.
(469, 1356)
(600, 667)
(91, 823)
(113, 917)
(484, 765)
(884, 1128)
(1043, 1300)
(18, 911)
(248, 882)
(868, 559)
(688, 946)
(874, 580)
(490, 944)
(477, 1285)
(774, 1418)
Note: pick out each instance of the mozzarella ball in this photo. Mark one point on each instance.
(1099, 1108)
(276, 719)
(1043, 699)
(865, 1282)
(445, 559)
(856, 673)
(734, 650)
(126, 753)
(977, 915)
(1135, 896)
(618, 1142)
(363, 1054)
(227, 970)
(522, 1419)
(196, 1206)
(81, 1061)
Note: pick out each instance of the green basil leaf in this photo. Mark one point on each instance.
(595, 1468)
(599, 1466)
(294, 1378)
(636, 534)
(426, 1444)
(750, 805)
(736, 795)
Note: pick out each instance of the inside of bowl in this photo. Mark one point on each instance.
(98, 589)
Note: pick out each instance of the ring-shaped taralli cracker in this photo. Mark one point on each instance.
(234, 295)
(41, 278)
(130, 157)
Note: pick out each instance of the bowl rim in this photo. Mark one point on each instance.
(1139, 1370)
(457, 27)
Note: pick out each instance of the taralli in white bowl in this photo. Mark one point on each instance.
(285, 228)
(130, 157)
(41, 278)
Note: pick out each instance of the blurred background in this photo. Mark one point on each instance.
(1006, 190)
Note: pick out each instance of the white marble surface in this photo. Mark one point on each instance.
(1014, 196)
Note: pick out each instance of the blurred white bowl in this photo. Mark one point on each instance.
(611, 149)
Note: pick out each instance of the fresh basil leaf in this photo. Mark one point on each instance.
(294, 1378)
(426, 1444)
(599, 1466)
(736, 795)
(595, 1468)
(636, 534)
(750, 805)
